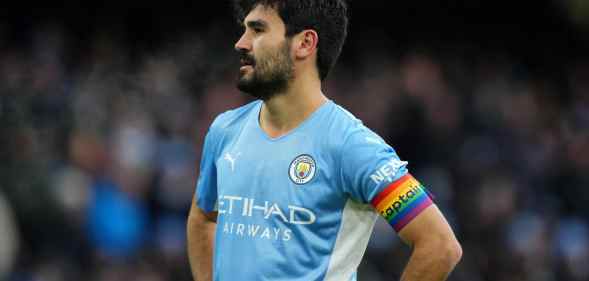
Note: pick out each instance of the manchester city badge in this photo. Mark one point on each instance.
(302, 169)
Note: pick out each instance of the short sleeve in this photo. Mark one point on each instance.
(206, 186)
(373, 173)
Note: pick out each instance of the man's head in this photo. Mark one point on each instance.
(280, 36)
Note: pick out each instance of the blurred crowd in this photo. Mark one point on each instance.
(99, 154)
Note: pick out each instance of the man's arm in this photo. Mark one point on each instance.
(200, 230)
(435, 250)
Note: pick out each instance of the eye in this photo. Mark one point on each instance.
(258, 30)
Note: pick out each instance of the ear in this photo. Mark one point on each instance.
(305, 43)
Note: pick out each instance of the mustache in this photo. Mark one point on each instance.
(245, 58)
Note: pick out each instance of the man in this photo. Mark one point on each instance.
(291, 185)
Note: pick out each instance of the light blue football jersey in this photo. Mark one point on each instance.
(296, 207)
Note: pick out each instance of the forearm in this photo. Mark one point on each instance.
(200, 236)
(432, 262)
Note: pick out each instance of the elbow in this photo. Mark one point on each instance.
(452, 252)
(446, 252)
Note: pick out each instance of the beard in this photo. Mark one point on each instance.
(270, 74)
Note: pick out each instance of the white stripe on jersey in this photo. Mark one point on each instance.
(356, 226)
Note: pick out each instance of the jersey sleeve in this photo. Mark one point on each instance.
(373, 173)
(206, 186)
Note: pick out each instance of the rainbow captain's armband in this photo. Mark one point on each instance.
(402, 201)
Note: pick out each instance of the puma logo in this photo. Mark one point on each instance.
(231, 159)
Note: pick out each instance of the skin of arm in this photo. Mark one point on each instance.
(200, 231)
(435, 249)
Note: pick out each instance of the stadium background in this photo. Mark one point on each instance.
(104, 105)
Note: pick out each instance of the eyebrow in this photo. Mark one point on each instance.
(256, 24)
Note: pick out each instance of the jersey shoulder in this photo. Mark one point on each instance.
(229, 123)
(234, 117)
(348, 129)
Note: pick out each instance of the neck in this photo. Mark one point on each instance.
(287, 110)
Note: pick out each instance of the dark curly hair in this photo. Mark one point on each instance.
(327, 17)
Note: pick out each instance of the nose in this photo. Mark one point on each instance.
(243, 44)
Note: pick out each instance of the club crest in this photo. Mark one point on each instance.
(302, 169)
